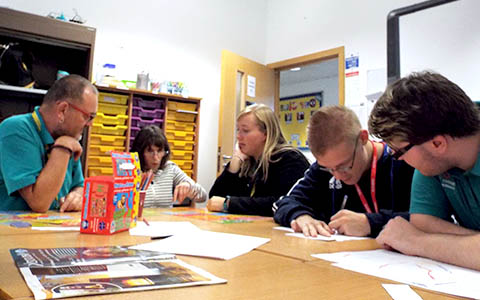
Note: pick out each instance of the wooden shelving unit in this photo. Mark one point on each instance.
(179, 117)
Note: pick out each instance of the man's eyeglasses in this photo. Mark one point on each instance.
(87, 116)
(347, 168)
(396, 154)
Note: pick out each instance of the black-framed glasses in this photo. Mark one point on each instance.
(87, 116)
(396, 154)
(347, 168)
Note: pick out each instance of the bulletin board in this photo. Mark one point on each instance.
(295, 112)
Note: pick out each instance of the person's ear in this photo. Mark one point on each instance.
(364, 136)
(438, 144)
(60, 109)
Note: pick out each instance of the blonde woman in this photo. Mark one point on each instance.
(263, 167)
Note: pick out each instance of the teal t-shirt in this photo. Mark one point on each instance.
(23, 144)
(455, 192)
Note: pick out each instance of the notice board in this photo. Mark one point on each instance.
(295, 112)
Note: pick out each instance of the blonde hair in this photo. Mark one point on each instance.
(275, 141)
(330, 126)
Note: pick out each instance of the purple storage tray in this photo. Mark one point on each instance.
(148, 103)
(145, 113)
(140, 123)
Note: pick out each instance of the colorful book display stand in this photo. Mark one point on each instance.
(111, 203)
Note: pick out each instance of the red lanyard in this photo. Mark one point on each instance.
(373, 174)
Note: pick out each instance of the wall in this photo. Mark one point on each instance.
(313, 25)
(173, 40)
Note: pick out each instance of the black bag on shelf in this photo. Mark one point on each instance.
(16, 65)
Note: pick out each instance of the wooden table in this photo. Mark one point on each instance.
(275, 271)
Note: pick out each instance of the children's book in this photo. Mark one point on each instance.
(69, 272)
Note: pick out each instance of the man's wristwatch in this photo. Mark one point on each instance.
(226, 203)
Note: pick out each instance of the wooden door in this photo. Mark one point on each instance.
(233, 97)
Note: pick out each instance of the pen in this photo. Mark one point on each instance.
(146, 222)
(344, 202)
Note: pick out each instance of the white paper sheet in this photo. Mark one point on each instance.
(76, 228)
(334, 237)
(412, 270)
(401, 292)
(162, 229)
(206, 244)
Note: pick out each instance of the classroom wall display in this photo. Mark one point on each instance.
(295, 112)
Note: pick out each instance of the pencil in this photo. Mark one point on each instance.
(344, 202)
(148, 180)
(146, 222)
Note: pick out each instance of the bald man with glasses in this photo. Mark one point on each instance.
(40, 167)
(355, 186)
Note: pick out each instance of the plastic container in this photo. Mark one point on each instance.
(181, 145)
(174, 105)
(183, 126)
(180, 135)
(182, 155)
(110, 130)
(134, 131)
(99, 171)
(99, 161)
(139, 122)
(157, 103)
(112, 98)
(188, 172)
(181, 116)
(145, 113)
(107, 140)
(102, 118)
(112, 109)
(184, 164)
(99, 150)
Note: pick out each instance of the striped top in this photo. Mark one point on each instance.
(160, 191)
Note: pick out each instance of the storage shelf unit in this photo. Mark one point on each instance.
(122, 113)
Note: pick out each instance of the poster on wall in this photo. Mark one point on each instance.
(295, 112)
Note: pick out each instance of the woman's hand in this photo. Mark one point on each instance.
(215, 203)
(238, 158)
(182, 191)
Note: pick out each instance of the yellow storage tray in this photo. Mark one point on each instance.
(183, 126)
(101, 118)
(106, 129)
(107, 140)
(174, 105)
(188, 172)
(181, 145)
(179, 135)
(99, 161)
(184, 164)
(103, 150)
(181, 116)
(179, 154)
(99, 171)
(112, 98)
(112, 109)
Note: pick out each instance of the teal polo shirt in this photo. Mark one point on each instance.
(455, 192)
(23, 143)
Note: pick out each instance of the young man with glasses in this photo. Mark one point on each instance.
(40, 167)
(354, 187)
(431, 123)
